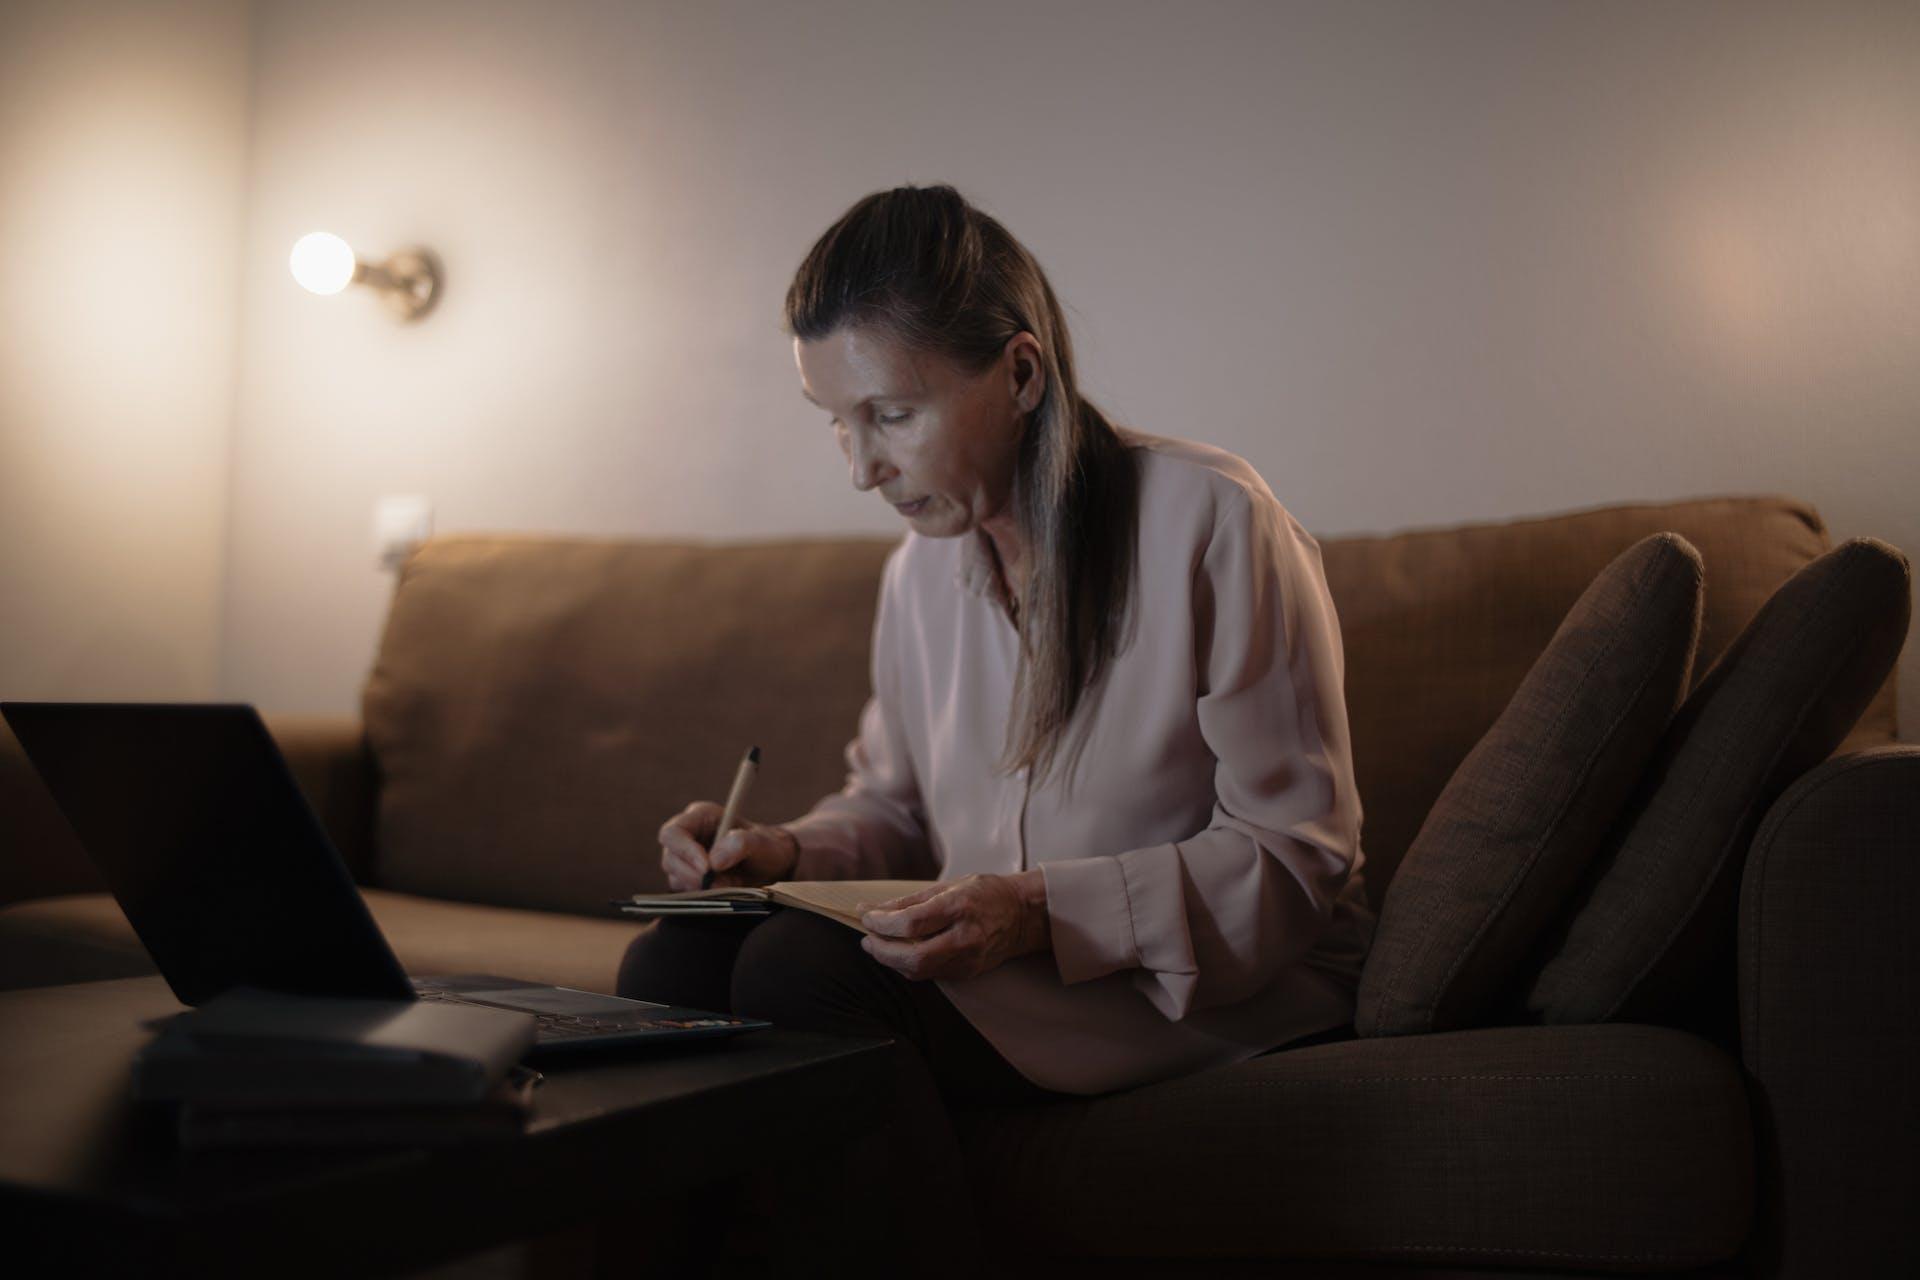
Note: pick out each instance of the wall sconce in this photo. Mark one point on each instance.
(408, 282)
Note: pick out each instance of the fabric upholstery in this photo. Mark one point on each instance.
(1093, 1268)
(1616, 1148)
(1507, 840)
(75, 937)
(1830, 1017)
(539, 707)
(330, 759)
(1439, 625)
(485, 741)
(435, 937)
(1651, 935)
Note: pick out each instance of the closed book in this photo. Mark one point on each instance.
(503, 1113)
(834, 899)
(262, 1047)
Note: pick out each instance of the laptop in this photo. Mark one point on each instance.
(198, 827)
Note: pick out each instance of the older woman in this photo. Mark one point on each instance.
(1107, 718)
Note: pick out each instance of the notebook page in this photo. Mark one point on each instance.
(840, 898)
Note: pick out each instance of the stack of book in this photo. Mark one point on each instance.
(258, 1068)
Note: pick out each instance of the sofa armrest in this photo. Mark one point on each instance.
(1829, 958)
(333, 764)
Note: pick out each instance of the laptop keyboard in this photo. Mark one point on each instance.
(567, 1026)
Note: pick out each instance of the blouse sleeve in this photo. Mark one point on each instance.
(1212, 919)
(875, 827)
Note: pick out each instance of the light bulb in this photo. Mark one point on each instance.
(322, 262)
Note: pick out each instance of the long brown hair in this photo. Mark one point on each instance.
(926, 269)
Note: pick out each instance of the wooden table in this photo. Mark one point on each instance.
(92, 1183)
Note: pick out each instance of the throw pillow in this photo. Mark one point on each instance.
(1505, 843)
(1649, 937)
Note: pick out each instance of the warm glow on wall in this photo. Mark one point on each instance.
(409, 281)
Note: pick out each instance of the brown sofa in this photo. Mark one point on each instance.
(539, 706)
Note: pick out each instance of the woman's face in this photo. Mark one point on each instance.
(938, 444)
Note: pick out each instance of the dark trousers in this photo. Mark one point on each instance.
(802, 971)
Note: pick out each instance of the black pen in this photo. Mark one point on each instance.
(742, 782)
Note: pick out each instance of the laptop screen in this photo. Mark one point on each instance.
(198, 827)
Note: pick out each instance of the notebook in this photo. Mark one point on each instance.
(835, 899)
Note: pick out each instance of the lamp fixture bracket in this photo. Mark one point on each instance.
(408, 281)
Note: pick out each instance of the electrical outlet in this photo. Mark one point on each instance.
(401, 522)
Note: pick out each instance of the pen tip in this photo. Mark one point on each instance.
(754, 755)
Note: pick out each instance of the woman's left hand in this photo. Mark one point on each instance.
(961, 928)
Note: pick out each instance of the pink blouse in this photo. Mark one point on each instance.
(1203, 870)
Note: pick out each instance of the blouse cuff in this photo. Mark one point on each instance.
(1090, 919)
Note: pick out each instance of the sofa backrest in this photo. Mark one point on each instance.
(1441, 625)
(539, 706)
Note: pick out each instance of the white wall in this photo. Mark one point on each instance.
(1421, 263)
(122, 153)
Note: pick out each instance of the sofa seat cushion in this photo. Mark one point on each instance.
(85, 937)
(434, 936)
(75, 937)
(1617, 1147)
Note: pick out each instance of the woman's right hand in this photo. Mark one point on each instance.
(752, 853)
